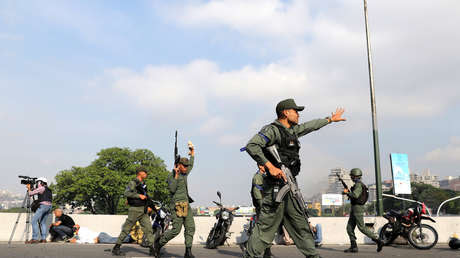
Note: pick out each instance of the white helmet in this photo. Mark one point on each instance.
(42, 179)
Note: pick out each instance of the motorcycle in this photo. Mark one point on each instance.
(409, 225)
(161, 220)
(219, 233)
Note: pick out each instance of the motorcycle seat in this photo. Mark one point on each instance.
(396, 213)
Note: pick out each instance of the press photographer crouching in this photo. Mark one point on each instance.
(63, 228)
(43, 210)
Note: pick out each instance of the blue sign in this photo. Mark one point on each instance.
(400, 172)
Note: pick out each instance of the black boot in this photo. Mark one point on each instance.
(379, 243)
(353, 248)
(152, 251)
(188, 253)
(268, 253)
(156, 249)
(116, 250)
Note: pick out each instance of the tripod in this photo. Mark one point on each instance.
(25, 204)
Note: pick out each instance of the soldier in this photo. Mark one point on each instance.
(136, 193)
(180, 205)
(358, 199)
(284, 132)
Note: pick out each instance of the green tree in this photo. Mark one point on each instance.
(99, 187)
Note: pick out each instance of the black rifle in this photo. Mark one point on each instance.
(343, 182)
(291, 186)
(176, 152)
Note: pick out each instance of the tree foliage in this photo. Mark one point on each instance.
(99, 187)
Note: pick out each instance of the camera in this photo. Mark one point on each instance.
(27, 180)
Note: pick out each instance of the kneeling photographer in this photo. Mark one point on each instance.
(43, 209)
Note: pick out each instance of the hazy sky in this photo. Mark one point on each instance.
(79, 76)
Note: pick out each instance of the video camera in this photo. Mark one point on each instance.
(27, 180)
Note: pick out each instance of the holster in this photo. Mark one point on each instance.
(181, 209)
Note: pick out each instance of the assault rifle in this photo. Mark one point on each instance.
(176, 152)
(291, 186)
(343, 182)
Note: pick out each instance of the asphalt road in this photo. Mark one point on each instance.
(76, 250)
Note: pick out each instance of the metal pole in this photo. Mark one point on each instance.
(378, 176)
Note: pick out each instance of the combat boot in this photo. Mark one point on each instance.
(268, 253)
(188, 253)
(152, 251)
(116, 250)
(379, 243)
(353, 248)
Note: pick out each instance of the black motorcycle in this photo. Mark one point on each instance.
(219, 233)
(409, 225)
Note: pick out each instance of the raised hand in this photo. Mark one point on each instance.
(337, 115)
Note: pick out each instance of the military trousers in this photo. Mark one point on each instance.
(271, 216)
(177, 222)
(137, 214)
(357, 220)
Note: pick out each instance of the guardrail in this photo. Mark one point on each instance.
(444, 202)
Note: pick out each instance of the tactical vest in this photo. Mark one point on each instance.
(46, 196)
(288, 149)
(141, 188)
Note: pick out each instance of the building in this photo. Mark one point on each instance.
(425, 178)
(334, 184)
(450, 183)
(386, 186)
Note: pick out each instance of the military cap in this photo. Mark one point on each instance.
(288, 104)
(184, 161)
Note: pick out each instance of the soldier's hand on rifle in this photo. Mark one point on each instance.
(337, 115)
(28, 187)
(191, 147)
(275, 172)
(345, 191)
(143, 197)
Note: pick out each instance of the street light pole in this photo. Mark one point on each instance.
(378, 176)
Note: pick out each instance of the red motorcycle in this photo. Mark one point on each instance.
(409, 225)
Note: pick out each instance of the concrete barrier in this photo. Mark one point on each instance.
(334, 231)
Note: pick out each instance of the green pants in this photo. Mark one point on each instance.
(271, 217)
(356, 219)
(189, 225)
(137, 214)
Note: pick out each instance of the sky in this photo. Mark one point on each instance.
(80, 76)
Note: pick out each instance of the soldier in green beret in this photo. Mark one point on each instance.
(285, 133)
(180, 205)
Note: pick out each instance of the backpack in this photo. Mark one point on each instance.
(362, 199)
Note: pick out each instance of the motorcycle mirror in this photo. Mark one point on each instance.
(219, 194)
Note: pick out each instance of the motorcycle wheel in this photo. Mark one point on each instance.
(211, 242)
(424, 237)
(386, 234)
(221, 239)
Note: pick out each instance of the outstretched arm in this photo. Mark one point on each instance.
(316, 124)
